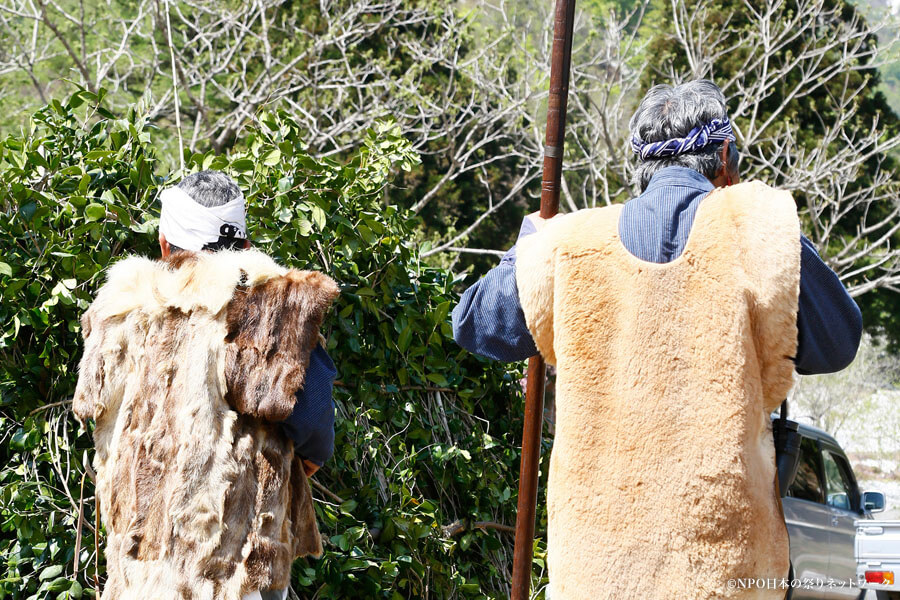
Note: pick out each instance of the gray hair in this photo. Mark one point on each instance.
(668, 112)
(210, 188)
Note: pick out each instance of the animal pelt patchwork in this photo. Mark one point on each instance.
(662, 476)
(188, 365)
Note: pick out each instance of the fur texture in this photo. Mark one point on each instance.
(662, 476)
(188, 364)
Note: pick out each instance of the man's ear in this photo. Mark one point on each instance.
(730, 177)
(164, 246)
(246, 244)
(724, 177)
(723, 170)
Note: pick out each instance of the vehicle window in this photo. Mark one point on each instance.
(807, 484)
(838, 488)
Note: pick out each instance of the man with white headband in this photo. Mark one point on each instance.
(206, 212)
(211, 396)
(675, 322)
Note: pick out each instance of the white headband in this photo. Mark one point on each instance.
(190, 226)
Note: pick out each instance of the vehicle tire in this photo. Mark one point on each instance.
(881, 595)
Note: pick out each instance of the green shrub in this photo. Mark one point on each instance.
(427, 434)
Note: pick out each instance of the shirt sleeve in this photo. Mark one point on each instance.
(311, 423)
(488, 319)
(829, 323)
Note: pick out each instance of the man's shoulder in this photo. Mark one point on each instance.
(189, 281)
(574, 228)
(751, 206)
(581, 219)
(755, 195)
(128, 285)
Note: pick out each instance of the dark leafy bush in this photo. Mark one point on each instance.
(427, 434)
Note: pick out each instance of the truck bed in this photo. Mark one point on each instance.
(878, 555)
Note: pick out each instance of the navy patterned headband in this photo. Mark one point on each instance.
(717, 130)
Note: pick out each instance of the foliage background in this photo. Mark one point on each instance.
(426, 433)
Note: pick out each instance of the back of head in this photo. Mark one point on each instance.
(672, 113)
(205, 211)
(210, 188)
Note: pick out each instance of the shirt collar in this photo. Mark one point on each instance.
(680, 176)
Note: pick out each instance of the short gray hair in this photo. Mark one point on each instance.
(668, 112)
(210, 188)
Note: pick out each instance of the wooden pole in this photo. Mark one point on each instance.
(560, 63)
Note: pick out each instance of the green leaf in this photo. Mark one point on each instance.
(285, 215)
(78, 98)
(441, 312)
(51, 572)
(58, 585)
(319, 218)
(242, 165)
(272, 157)
(95, 154)
(404, 339)
(438, 379)
(94, 212)
(5, 269)
(304, 227)
(18, 440)
(366, 234)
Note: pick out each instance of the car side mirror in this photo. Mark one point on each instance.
(873, 501)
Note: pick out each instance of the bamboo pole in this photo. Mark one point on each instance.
(560, 62)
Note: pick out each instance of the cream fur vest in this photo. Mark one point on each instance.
(662, 476)
(188, 364)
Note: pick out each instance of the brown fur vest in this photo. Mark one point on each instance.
(188, 365)
(662, 476)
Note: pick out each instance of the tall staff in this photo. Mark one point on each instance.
(560, 62)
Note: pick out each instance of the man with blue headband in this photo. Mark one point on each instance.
(686, 148)
(675, 322)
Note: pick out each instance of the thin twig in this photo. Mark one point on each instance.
(51, 405)
(462, 525)
(326, 491)
(175, 88)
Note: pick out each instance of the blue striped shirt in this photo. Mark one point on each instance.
(655, 227)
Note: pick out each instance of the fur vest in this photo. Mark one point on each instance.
(188, 365)
(662, 476)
